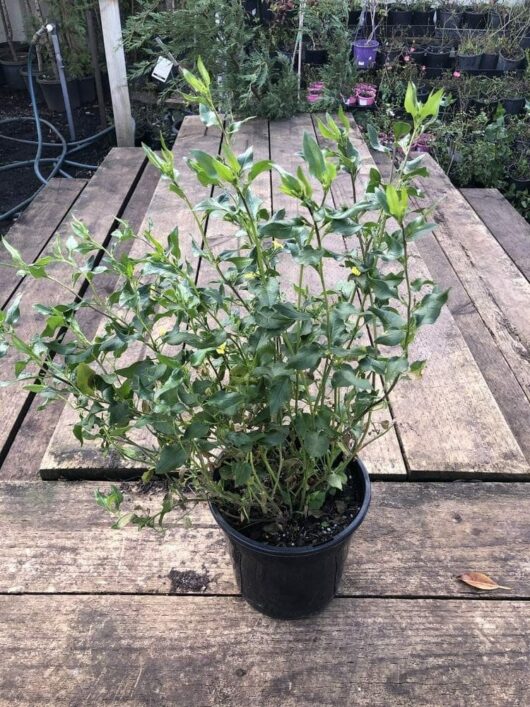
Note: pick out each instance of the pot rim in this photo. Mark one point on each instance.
(338, 539)
(365, 43)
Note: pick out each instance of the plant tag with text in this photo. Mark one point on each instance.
(162, 69)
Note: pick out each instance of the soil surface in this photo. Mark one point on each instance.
(17, 184)
(321, 527)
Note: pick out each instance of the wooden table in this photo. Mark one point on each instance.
(94, 616)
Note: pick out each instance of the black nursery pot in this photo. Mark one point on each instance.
(11, 70)
(506, 64)
(53, 94)
(316, 57)
(292, 582)
(489, 62)
(399, 18)
(437, 61)
(469, 62)
(422, 22)
(475, 20)
(449, 19)
(514, 106)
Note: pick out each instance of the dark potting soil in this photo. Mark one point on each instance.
(18, 184)
(336, 514)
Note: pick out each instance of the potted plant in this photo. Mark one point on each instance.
(365, 50)
(519, 172)
(469, 55)
(437, 59)
(399, 15)
(366, 96)
(449, 16)
(13, 55)
(354, 13)
(476, 15)
(257, 393)
(514, 95)
(422, 18)
(511, 56)
(489, 44)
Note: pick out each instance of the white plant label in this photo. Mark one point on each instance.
(162, 69)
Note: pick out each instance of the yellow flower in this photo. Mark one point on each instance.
(221, 349)
(249, 275)
(276, 244)
(355, 271)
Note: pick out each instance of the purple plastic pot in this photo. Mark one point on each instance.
(365, 52)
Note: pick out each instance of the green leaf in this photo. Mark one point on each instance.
(393, 337)
(85, 378)
(314, 157)
(258, 168)
(315, 500)
(123, 521)
(316, 444)
(411, 100)
(111, 501)
(12, 314)
(171, 457)
(337, 480)
(307, 358)
(227, 403)
(345, 377)
(279, 393)
(430, 307)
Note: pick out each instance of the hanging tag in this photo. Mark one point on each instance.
(162, 69)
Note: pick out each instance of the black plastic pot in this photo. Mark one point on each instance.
(494, 19)
(489, 62)
(38, 90)
(422, 23)
(437, 61)
(525, 43)
(316, 57)
(11, 72)
(399, 18)
(475, 20)
(292, 582)
(418, 56)
(520, 183)
(506, 64)
(514, 106)
(449, 19)
(53, 95)
(387, 55)
(87, 89)
(469, 62)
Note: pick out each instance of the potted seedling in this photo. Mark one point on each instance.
(437, 59)
(250, 390)
(511, 56)
(489, 44)
(469, 55)
(366, 96)
(365, 50)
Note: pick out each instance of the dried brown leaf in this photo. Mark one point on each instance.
(478, 580)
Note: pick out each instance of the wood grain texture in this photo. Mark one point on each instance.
(23, 458)
(449, 422)
(416, 539)
(498, 375)
(507, 225)
(32, 231)
(383, 457)
(211, 651)
(64, 457)
(499, 290)
(98, 206)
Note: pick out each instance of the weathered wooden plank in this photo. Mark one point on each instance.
(416, 538)
(383, 456)
(32, 231)
(449, 422)
(500, 292)
(98, 206)
(25, 453)
(501, 381)
(64, 456)
(211, 651)
(505, 223)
